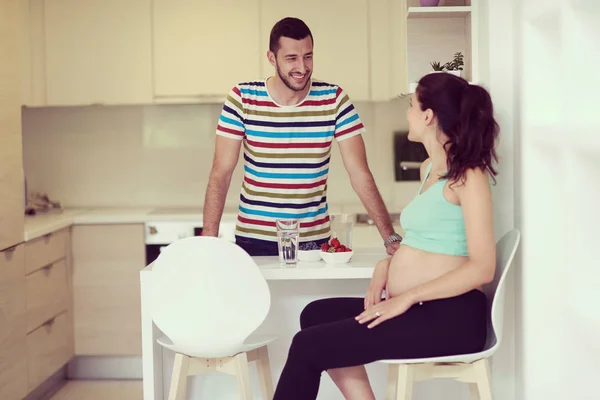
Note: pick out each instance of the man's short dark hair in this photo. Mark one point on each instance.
(290, 27)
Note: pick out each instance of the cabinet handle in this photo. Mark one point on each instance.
(48, 324)
(406, 165)
(47, 269)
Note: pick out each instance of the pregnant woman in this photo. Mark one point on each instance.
(433, 303)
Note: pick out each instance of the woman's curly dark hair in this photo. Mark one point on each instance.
(465, 113)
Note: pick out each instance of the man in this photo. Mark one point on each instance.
(287, 124)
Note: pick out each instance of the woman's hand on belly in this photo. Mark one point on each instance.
(385, 310)
(378, 283)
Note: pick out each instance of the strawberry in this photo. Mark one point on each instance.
(341, 249)
(324, 247)
(335, 242)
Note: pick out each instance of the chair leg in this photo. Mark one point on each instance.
(178, 389)
(400, 382)
(392, 383)
(483, 379)
(473, 392)
(264, 373)
(243, 375)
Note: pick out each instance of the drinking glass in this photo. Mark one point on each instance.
(287, 241)
(342, 226)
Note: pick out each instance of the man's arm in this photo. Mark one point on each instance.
(348, 133)
(354, 157)
(230, 133)
(227, 152)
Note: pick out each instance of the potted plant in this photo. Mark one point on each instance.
(436, 66)
(455, 66)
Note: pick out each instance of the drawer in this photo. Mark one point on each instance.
(45, 250)
(48, 349)
(47, 293)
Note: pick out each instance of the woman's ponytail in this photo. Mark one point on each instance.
(464, 113)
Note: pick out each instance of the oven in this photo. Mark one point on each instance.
(159, 234)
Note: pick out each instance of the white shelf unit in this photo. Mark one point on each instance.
(437, 33)
(439, 12)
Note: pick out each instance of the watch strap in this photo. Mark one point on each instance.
(394, 237)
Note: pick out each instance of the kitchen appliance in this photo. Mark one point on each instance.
(159, 234)
(408, 157)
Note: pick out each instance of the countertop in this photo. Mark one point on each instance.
(42, 224)
(359, 267)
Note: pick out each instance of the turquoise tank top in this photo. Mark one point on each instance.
(433, 224)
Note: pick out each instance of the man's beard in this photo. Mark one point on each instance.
(288, 81)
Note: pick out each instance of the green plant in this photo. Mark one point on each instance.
(437, 66)
(456, 64)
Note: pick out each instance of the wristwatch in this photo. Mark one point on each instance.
(394, 237)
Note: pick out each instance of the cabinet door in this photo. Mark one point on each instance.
(107, 260)
(98, 51)
(202, 48)
(13, 325)
(341, 32)
(11, 153)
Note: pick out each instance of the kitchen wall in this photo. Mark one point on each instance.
(161, 155)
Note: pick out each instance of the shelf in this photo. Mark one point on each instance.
(412, 87)
(439, 12)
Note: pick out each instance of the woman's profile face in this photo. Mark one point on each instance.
(416, 120)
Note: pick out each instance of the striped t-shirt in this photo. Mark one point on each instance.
(286, 156)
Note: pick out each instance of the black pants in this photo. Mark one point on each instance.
(256, 247)
(332, 338)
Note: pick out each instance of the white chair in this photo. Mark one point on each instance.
(208, 297)
(470, 368)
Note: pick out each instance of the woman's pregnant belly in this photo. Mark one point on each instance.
(412, 267)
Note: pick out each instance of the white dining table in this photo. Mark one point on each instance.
(360, 267)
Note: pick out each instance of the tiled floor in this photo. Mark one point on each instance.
(100, 390)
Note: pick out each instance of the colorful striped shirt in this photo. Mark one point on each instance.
(286, 156)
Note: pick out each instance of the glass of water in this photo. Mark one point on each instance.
(287, 240)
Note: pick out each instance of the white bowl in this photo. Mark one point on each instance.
(309, 255)
(336, 258)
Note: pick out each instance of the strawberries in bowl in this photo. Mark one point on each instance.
(335, 252)
(334, 246)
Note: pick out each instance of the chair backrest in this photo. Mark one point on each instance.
(207, 293)
(506, 249)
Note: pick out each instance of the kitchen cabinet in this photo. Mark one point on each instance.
(107, 260)
(180, 51)
(13, 324)
(341, 40)
(98, 51)
(202, 48)
(47, 290)
(33, 69)
(11, 153)
(36, 328)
